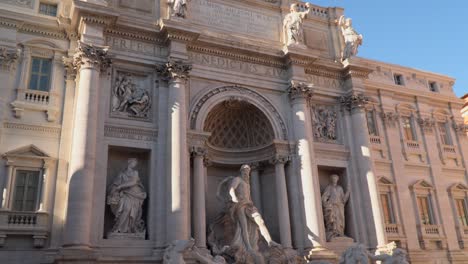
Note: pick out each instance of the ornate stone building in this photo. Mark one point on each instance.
(119, 119)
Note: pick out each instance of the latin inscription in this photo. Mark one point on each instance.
(136, 46)
(324, 82)
(235, 65)
(244, 21)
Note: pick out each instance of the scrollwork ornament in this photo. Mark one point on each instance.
(300, 90)
(7, 57)
(354, 101)
(279, 159)
(174, 69)
(91, 56)
(70, 68)
(427, 124)
(390, 118)
(198, 151)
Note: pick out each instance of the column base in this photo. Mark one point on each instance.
(76, 255)
(321, 255)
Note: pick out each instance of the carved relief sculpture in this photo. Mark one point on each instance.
(324, 120)
(239, 233)
(178, 7)
(7, 57)
(125, 196)
(292, 23)
(352, 39)
(333, 201)
(130, 99)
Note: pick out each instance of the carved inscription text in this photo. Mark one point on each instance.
(136, 46)
(244, 21)
(235, 65)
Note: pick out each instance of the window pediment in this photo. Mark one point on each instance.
(29, 155)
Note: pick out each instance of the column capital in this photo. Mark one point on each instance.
(279, 159)
(70, 68)
(176, 70)
(89, 55)
(300, 90)
(198, 151)
(354, 101)
(7, 58)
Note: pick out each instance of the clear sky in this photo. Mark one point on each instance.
(423, 34)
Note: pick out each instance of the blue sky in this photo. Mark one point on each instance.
(423, 34)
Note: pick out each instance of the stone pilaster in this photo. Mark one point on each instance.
(199, 210)
(89, 61)
(176, 73)
(365, 184)
(282, 200)
(255, 190)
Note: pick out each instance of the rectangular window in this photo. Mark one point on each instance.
(26, 190)
(461, 211)
(433, 87)
(444, 136)
(425, 210)
(408, 129)
(387, 208)
(371, 124)
(48, 9)
(398, 78)
(40, 74)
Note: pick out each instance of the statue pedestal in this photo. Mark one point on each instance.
(340, 244)
(126, 236)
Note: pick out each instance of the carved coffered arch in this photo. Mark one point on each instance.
(208, 99)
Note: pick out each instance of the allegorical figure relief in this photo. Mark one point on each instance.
(352, 39)
(179, 7)
(125, 197)
(324, 120)
(129, 99)
(293, 25)
(333, 201)
(239, 233)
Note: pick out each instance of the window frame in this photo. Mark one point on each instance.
(48, 3)
(414, 136)
(398, 79)
(30, 73)
(14, 190)
(372, 113)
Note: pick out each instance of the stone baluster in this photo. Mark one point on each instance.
(300, 94)
(255, 190)
(282, 200)
(199, 210)
(354, 107)
(176, 73)
(90, 61)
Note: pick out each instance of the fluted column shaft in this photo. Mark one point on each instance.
(282, 202)
(199, 213)
(90, 60)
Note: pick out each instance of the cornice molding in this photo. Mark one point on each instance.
(324, 71)
(356, 71)
(135, 34)
(21, 26)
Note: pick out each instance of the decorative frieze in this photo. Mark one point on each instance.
(133, 133)
(131, 43)
(174, 69)
(53, 131)
(300, 90)
(324, 122)
(91, 56)
(354, 101)
(390, 118)
(22, 3)
(460, 128)
(427, 124)
(7, 58)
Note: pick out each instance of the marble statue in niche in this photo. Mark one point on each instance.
(352, 39)
(129, 99)
(324, 120)
(333, 201)
(125, 197)
(293, 25)
(239, 233)
(179, 7)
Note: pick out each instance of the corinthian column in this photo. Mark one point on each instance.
(300, 94)
(176, 74)
(365, 182)
(89, 61)
(282, 201)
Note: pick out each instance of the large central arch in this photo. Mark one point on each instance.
(206, 101)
